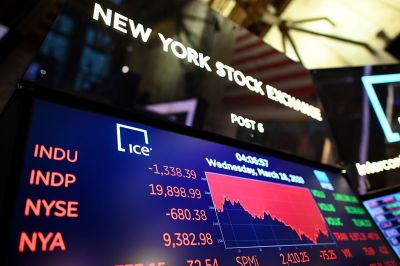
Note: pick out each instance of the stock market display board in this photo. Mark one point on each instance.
(95, 189)
(385, 211)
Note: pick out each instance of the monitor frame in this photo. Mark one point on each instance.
(21, 106)
(31, 91)
(377, 194)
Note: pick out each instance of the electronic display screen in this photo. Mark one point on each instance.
(99, 190)
(385, 211)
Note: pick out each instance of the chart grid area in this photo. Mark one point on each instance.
(256, 214)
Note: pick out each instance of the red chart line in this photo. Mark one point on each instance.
(293, 206)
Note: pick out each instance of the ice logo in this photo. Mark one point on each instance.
(133, 148)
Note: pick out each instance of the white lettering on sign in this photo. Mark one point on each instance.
(121, 22)
(239, 78)
(124, 24)
(241, 157)
(247, 123)
(377, 167)
(185, 53)
(291, 102)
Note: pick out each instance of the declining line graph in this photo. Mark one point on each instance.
(253, 213)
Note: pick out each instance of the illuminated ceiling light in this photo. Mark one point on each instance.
(125, 69)
(368, 82)
(225, 7)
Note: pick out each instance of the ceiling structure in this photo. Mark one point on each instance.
(366, 28)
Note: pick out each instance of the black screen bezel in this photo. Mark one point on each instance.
(28, 93)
